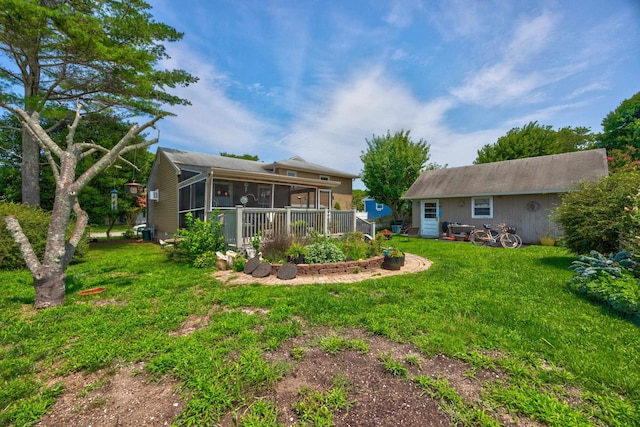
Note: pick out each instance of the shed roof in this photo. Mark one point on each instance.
(544, 174)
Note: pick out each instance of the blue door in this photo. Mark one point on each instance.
(429, 218)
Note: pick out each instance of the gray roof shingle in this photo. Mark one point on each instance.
(205, 161)
(545, 174)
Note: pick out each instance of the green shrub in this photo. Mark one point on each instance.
(598, 216)
(631, 239)
(35, 224)
(621, 293)
(198, 238)
(205, 260)
(612, 280)
(238, 263)
(590, 266)
(355, 247)
(323, 252)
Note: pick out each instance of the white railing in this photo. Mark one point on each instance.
(240, 224)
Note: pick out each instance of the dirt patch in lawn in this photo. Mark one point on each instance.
(118, 396)
(126, 396)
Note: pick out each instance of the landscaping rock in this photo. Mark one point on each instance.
(287, 272)
(251, 265)
(262, 270)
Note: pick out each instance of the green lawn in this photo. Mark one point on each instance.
(500, 309)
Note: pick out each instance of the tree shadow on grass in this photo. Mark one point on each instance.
(28, 300)
(560, 262)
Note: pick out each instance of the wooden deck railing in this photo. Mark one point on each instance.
(241, 224)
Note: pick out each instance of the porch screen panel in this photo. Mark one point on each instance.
(191, 200)
(184, 196)
(198, 194)
(221, 194)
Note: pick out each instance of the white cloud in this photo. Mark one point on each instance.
(528, 63)
(333, 133)
(531, 37)
(402, 12)
(213, 122)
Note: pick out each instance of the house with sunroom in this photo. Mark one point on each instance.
(520, 192)
(184, 182)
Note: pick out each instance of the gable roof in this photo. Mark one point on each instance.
(544, 174)
(204, 162)
(234, 168)
(298, 163)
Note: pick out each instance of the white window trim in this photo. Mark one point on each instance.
(379, 206)
(325, 178)
(473, 207)
(292, 173)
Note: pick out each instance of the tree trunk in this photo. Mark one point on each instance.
(30, 169)
(48, 278)
(50, 287)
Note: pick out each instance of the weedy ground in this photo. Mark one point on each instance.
(486, 336)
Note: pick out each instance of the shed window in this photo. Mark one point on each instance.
(482, 207)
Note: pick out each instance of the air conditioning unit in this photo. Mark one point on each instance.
(154, 195)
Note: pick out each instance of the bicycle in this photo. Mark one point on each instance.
(500, 235)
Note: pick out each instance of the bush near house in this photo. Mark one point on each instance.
(35, 224)
(600, 216)
(198, 242)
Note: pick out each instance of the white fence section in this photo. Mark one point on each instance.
(241, 224)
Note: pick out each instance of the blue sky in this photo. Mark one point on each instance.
(317, 78)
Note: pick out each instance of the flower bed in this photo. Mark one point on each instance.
(334, 267)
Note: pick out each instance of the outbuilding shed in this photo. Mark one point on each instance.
(520, 192)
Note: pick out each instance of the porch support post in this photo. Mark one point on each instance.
(326, 221)
(273, 195)
(239, 228)
(287, 221)
(355, 221)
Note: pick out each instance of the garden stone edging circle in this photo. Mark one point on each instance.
(262, 270)
(251, 265)
(413, 264)
(287, 272)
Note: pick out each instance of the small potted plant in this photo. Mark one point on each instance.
(255, 245)
(295, 253)
(393, 259)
